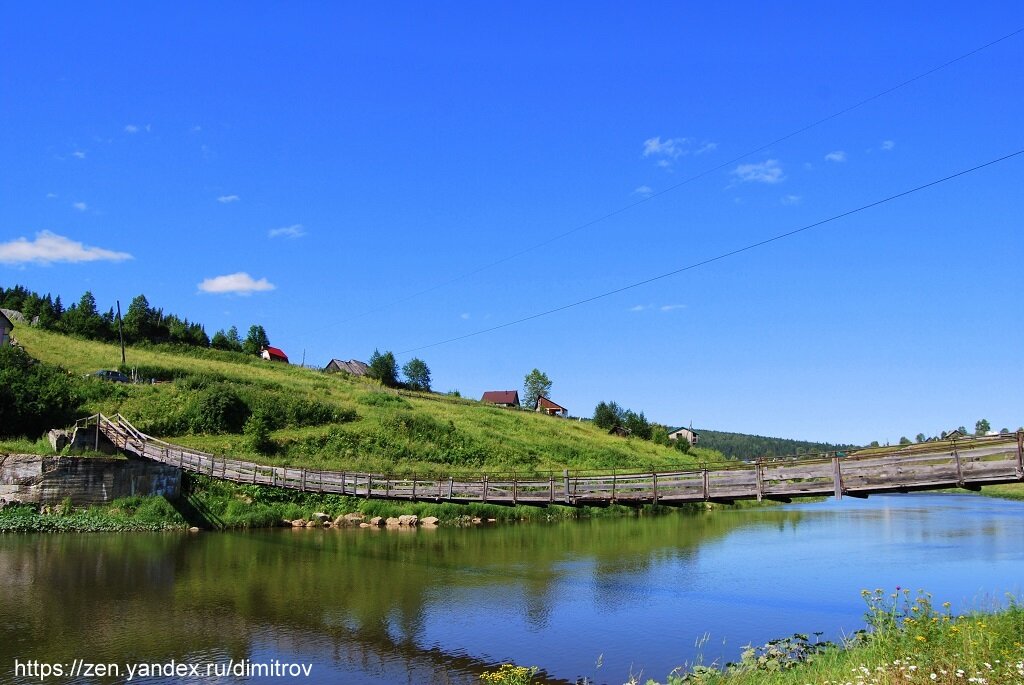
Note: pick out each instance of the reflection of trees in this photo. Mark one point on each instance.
(162, 596)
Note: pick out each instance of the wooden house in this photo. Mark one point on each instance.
(501, 398)
(687, 434)
(550, 408)
(6, 329)
(353, 367)
(274, 354)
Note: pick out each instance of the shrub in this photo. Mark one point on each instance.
(34, 396)
(218, 409)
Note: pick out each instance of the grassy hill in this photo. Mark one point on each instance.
(228, 403)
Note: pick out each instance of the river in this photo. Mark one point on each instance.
(597, 599)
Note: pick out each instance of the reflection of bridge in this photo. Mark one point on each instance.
(964, 463)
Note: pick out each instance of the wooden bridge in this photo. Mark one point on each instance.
(957, 463)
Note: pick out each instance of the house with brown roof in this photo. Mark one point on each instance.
(6, 328)
(274, 354)
(501, 398)
(550, 408)
(353, 367)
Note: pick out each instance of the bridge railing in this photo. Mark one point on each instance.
(955, 462)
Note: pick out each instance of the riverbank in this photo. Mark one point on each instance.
(209, 504)
(907, 640)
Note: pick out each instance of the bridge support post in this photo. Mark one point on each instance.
(1020, 454)
(451, 487)
(707, 485)
(959, 467)
(565, 475)
(837, 477)
(758, 479)
(484, 495)
(97, 446)
(654, 486)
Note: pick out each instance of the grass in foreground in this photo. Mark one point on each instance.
(908, 641)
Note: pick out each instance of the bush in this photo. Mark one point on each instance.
(218, 409)
(34, 396)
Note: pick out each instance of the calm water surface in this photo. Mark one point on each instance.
(599, 599)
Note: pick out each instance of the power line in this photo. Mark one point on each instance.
(724, 255)
(680, 184)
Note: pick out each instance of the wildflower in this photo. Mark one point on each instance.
(933, 676)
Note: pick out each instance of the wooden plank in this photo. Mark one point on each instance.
(757, 479)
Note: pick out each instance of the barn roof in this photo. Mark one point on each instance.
(276, 353)
(545, 403)
(352, 366)
(501, 397)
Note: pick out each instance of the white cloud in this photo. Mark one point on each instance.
(670, 147)
(51, 195)
(227, 199)
(239, 283)
(644, 190)
(464, 316)
(791, 199)
(131, 128)
(660, 308)
(80, 206)
(293, 231)
(768, 171)
(80, 154)
(50, 248)
(836, 156)
(888, 145)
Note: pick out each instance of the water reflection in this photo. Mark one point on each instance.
(441, 605)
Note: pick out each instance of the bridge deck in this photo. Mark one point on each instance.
(966, 463)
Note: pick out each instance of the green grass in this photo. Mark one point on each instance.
(323, 421)
(907, 641)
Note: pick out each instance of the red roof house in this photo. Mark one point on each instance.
(502, 398)
(274, 354)
(550, 408)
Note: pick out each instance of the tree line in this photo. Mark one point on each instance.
(141, 323)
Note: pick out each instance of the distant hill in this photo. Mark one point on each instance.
(743, 446)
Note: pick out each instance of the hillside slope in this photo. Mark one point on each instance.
(227, 403)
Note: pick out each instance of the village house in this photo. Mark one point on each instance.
(501, 398)
(6, 327)
(273, 354)
(550, 408)
(353, 367)
(687, 434)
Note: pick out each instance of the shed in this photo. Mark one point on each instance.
(501, 398)
(6, 327)
(550, 408)
(274, 354)
(352, 366)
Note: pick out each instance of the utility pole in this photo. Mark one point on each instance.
(120, 332)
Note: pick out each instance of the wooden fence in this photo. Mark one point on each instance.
(965, 463)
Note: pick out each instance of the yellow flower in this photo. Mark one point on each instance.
(921, 638)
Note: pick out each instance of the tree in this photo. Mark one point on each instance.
(637, 424)
(384, 368)
(535, 385)
(607, 415)
(417, 374)
(256, 340)
(982, 427)
(920, 437)
(140, 320)
(905, 441)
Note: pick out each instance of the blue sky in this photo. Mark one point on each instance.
(360, 176)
